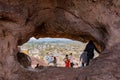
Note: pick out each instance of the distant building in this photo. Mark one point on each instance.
(34, 51)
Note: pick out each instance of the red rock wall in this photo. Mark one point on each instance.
(82, 20)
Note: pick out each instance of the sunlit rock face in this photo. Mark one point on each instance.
(83, 20)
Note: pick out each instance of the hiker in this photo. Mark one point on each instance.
(83, 59)
(71, 60)
(49, 58)
(54, 60)
(90, 51)
(67, 61)
(37, 66)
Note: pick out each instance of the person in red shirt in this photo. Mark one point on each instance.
(67, 61)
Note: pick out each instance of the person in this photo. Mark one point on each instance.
(37, 66)
(90, 51)
(67, 61)
(71, 60)
(49, 58)
(54, 60)
(83, 59)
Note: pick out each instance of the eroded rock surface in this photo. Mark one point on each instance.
(24, 59)
(81, 20)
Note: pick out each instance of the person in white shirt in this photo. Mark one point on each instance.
(71, 58)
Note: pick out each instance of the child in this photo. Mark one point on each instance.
(83, 59)
(67, 61)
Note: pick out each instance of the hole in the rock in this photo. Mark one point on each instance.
(51, 52)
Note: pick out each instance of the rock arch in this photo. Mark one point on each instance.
(75, 19)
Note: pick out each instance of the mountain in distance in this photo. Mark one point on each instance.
(51, 40)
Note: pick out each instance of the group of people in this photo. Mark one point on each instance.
(69, 60)
(51, 59)
(86, 56)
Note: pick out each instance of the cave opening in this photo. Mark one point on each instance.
(39, 49)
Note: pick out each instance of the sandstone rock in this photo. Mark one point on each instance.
(83, 20)
(24, 59)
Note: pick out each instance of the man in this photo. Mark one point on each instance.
(90, 51)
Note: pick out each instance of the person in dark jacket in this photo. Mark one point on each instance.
(90, 51)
